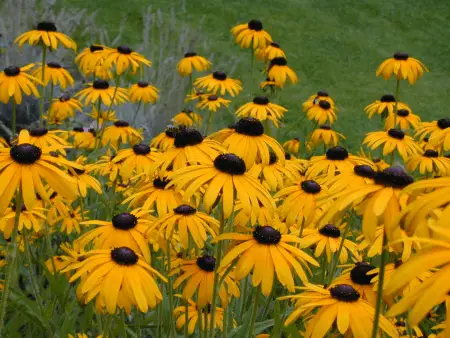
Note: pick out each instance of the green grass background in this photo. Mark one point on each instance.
(332, 45)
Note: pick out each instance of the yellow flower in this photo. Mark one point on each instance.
(279, 72)
(187, 118)
(63, 108)
(91, 58)
(136, 160)
(219, 82)
(324, 135)
(100, 90)
(14, 81)
(438, 132)
(165, 140)
(46, 34)
(403, 67)
(71, 222)
(124, 59)
(271, 51)
(393, 139)
(190, 62)
(55, 74)
(120, 133)
(322, 112)
(405, 120)
(385, 106)
(144, 92)
(104, 116)
(429, 162)
(262, 109)
(213, 103)
(313, 100)
(31, 219)
(83, 138)
(251, 34)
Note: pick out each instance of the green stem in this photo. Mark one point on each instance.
(107, 326)
(205, 318)
(14, 119)
(160, 311)
(42, 98)
(397, 89)
(138, 324)
(170, 292)
(252, 57)
(208, 124)
(323, 269)
(216, 276)
(51, 93)
(186, 318)
(254, 313)
(225, 322)
(338, 253)
(124, 325)
(97, 127)
(136, 112)
(378, 306)
(241, 311)
(11, 260)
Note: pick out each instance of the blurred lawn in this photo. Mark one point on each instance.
(332, 45)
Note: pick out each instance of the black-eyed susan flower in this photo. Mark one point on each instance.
(189, 148)
(124, 58)
(119, 277)
(44, 138)
(224, 179)
(336, 161)
(292, 146)
(71, 222)
(393, 140)
(274, 175)
(262, 109)
(47, 35)
(192, 61)
(271, 51)
(339, 305)
(437, 131)
(188, 222)
(385, 106)
(83, 138)
(313, 100)
(27, 165)
(165, 140)
(196, 95)
(301, 202)
(429, 163)
(55, 74)
(84, 179)
(71, 255)
(187, 118)
(64, 107)
(269, 83)
(279, 72)
(101, 90)
(387, 187)
(128, 228)
(14, 81)
(405, 120)
(136, 160)
(322, 113)
(281, 258)
(360, 276)
(251, 34)
(248, 141)
(359, 176)
(153, 194)
(31, 219)
(327, 240)
(326, 136)
(90, 58)
(58, 208)
(219, 83)
(103, 116)
(213, 103)
(198, 275)
(403, 67)
(120, 133)
(195, 316)
(143, 92)
(265, 216)
(402, 329)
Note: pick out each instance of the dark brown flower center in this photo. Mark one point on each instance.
(274, 44)
(40, 131)
(337, 154)
(330, 230)
(311, 187)
(322, 93)
(121, 123)
(344, 293)
(213, 98)
(221, 76)
(255, 25)
(273, 158)
(443, 123)
(185, 209)
(160, 183)
(124, 256)
(12, 71)
(124, 49)
(54, 64)
(206, 263)
(266, 235)
(64, 98)
(325, 127)
(396, 133)
(324, 104)
(171, 131)
(395, 177)
(230, 164)
(401, 56)
(403, 112)
(100, 84)
(249, 126)
(142, 84)
(92, 131)
(95, 48)
(47, 26)
(187, 137)
(25, 153)
(78, 129)
(387, 98)
(359, 273)
(124, 221)
(141, 149)
(364, 170)
(190, 54)
(287, 156)
(278, 61)
(261, 100)
(431, 153)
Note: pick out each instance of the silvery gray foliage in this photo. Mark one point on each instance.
(165, 38)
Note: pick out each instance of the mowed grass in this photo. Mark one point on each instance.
(332, 45)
